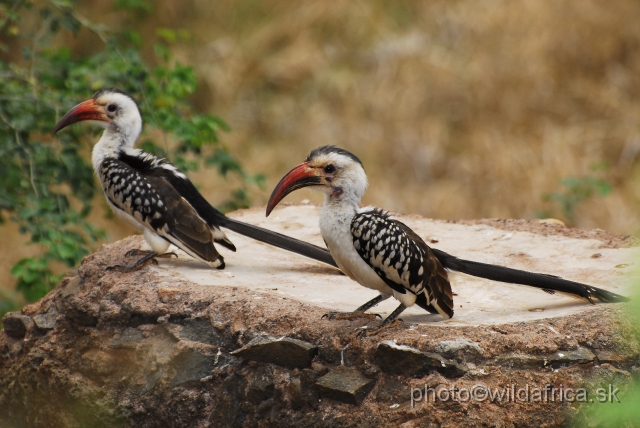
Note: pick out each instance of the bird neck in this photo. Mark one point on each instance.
(114, 141)
(337, 212)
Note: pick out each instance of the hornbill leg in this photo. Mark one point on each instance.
(137, 252)
(149, 258)
(358, 313)
(391, 321)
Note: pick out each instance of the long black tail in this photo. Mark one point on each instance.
(278, 240)
(548, 283)
(216, 219)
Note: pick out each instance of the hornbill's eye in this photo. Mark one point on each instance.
(329, 169)
(112, 107)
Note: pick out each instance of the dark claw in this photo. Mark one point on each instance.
(134, 252)
(115, 267)
(167, 255)
(329, 316)
(361, 334)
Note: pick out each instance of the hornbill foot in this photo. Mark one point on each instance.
(365, 332)
(349, 315)
(167, 255)
(137, 252)
(149, 258)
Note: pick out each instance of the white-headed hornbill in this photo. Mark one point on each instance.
(384, 254)
(154, 197)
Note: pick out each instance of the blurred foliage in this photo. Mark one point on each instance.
(576, 190)
(48, 185)
(611, 413)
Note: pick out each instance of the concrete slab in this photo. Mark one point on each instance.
(265, 269)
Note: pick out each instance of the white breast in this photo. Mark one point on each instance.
(335, 226)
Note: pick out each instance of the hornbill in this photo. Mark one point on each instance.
(384, 254)
(154, 197)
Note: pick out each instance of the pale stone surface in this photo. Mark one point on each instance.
(263, 269)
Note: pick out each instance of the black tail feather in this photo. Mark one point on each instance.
(278, 240)
(421, 301)
(546, 282)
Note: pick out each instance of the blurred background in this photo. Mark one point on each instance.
(465, 109)
(458, 109)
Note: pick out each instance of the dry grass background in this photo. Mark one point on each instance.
(458, 109)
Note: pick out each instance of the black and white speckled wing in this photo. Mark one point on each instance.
(155, 204)
(152, 166)
(402, 259)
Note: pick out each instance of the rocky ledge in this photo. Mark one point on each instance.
(110, 349)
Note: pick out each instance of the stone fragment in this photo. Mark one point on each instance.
(196, 330)
(66, 303)
(297, 394)
(611, 357)
(461, 349)
(407, 361)
(46, 321)
(393, 390)
(283, 351)
(129, 339)
(16, 325)
(260, 386)
(345, 384)
(308, 378)
(100, 364)
(569, 358)
(192, 362)
(520, 361)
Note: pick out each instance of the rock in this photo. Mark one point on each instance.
(461, 349)
(610, 356)
(297, 394)
(520, 361)
(129, 339)
(330, 354)
(66, 302)
(196, 330)
(47, 320)
(138, 349)
(283, 351)
(308, 378)
(192, 362)
(569, 358)
(407, 361)
(265, 407)
(261, 386)
(98, 364)
(393, 390)
(16, 325)
(345, 384)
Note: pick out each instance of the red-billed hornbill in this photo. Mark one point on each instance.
(154, 197)
(386, 255)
